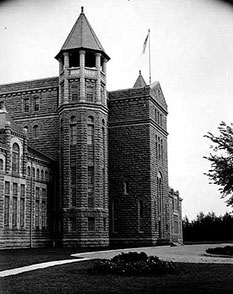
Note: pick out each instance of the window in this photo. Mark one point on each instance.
(15, 158)
(140, 216)
(73, 226)
(74, 91)
(73, 131)
(46, 175)
(91, 224)
(15, 189)
(91, 187)
(26, 105)
(73, 184)
(37, 214)
(29, 171)
(36, 103)
(33, 172)
(126, 187)
(43, 215)
(38, 173)
(1, 165)
(159, 192)
(22, 190)
(114, 217)
(103, 176)
(42, 175)
(90, 131)
(156, 146)
(14, 212)
(6, 211)
(7, 188)
(104, 223)
(22, 209)
(35, 132)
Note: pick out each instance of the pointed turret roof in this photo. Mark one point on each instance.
(140, 82)
(82, 36)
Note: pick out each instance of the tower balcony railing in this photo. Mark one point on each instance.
(90, 73)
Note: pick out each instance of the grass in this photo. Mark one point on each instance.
(75, 278)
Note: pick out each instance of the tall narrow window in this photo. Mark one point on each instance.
(140, 215)
(29, 171)
(22, 204)
(90, 92)
(37, 209)
(43, 216)
(26, 105)
(104, 199)
(160, 192)
(91, 224)
(38, 173)
(15, 158)
(74, 90)
(35, 132)
(126, 187)
(14, 212)
(91, 187)
(36, 103)
(103, 140)
(73, 131)
(90, 131)
(6, 211)
(1, 164)
(156, 146)
(73, 226)
(7, 204)
(73, 184)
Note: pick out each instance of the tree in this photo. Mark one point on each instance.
(221, 159)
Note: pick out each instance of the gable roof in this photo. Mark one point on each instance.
(82, 36)
(6, 118)
(157, 93)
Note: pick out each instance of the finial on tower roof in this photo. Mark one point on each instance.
(82, 9)
(140, 72)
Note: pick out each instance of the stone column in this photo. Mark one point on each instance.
(60, 79)
(8, 143)
(66, 73)
(98, 76)
(82, 75)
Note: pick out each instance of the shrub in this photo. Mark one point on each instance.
(135, 264)
(227, 250)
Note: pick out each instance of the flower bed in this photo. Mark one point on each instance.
(227, 250)
(134, 264)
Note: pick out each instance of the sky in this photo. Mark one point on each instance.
(191, 57)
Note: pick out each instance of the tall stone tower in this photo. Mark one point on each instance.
(83, 115)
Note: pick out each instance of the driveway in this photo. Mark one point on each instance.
(186, 253)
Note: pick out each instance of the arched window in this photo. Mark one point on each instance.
(29, 171)
(73, 131)
(15, 158)
(42, 175)
(38, 173)
(159, 192)
(35, 132)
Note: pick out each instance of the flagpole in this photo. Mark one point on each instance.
(149, 59)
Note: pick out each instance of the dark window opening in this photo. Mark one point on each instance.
(89, 59)
(74, 59)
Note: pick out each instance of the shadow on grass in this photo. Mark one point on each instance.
(75, 278)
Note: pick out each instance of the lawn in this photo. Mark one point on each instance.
(75, 278)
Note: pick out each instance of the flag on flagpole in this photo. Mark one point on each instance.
(145, 42)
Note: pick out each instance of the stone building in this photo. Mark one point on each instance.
(80, 166)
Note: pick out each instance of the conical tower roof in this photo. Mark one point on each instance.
(82, 36)
(140, 82)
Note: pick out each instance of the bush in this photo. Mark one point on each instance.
(135, 264)
(227, 250)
